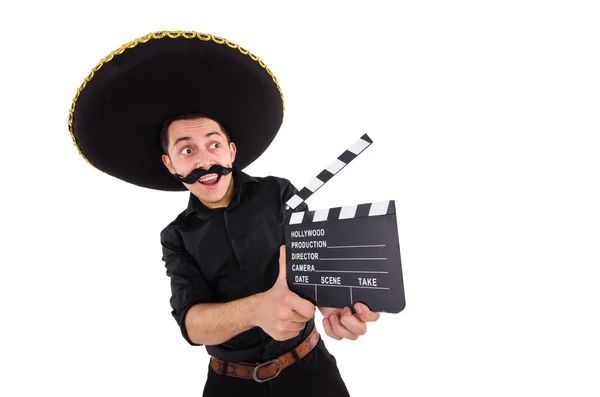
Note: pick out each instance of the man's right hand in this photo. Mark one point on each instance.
(281, 313)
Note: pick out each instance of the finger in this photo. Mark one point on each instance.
(289, 334)
(298, 318)
(340, 330)
(302, 306)
(282, 277)
(353, 323)
(365, 314)
(329, 330)
(327, 311)
(293, 326)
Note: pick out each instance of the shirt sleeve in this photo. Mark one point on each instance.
(188, 285)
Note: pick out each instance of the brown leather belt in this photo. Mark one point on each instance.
(262, 372)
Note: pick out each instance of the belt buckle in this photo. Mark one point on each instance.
(276, 361)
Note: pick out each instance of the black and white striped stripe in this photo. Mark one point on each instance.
(343, 159)
(346, 212)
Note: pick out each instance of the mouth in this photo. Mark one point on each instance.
(210, 180)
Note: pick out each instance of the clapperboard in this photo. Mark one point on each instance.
(339, 256)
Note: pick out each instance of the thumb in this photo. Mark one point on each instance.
(282, 278)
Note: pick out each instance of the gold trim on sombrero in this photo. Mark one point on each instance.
(160, 35)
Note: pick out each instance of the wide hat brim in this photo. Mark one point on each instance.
(118, 111)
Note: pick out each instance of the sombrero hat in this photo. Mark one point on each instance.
(118, 111)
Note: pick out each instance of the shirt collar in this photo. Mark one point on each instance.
(240, 180)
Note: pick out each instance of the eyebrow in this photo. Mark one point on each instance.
(211, 134)
(187, 138)
(183, 138)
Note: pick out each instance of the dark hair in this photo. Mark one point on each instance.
(164, 131)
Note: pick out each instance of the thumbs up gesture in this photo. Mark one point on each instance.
(282, 313)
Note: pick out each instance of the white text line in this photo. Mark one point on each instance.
(343, 286)
(352, 259)
(356, 246)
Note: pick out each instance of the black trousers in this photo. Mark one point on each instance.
(315, 375)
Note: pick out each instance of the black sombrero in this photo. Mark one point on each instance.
(121, 106)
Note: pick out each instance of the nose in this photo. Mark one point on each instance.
(203, 160)
(206, 164)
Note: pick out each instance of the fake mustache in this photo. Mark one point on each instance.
(200, 172)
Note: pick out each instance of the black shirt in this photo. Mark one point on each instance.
(225, 254)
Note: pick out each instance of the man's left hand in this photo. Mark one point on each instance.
(343, 324)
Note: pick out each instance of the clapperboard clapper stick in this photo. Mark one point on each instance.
(339, 256)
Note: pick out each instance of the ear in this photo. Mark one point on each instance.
(167, 162)
(233, 150)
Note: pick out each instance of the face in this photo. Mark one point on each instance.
(200, 143)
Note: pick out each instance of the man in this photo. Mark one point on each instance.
(135, 118)
(222, 253)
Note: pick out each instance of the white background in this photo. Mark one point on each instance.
(485, 121)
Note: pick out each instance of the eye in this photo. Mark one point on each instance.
(215, 145)
(186, 150)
